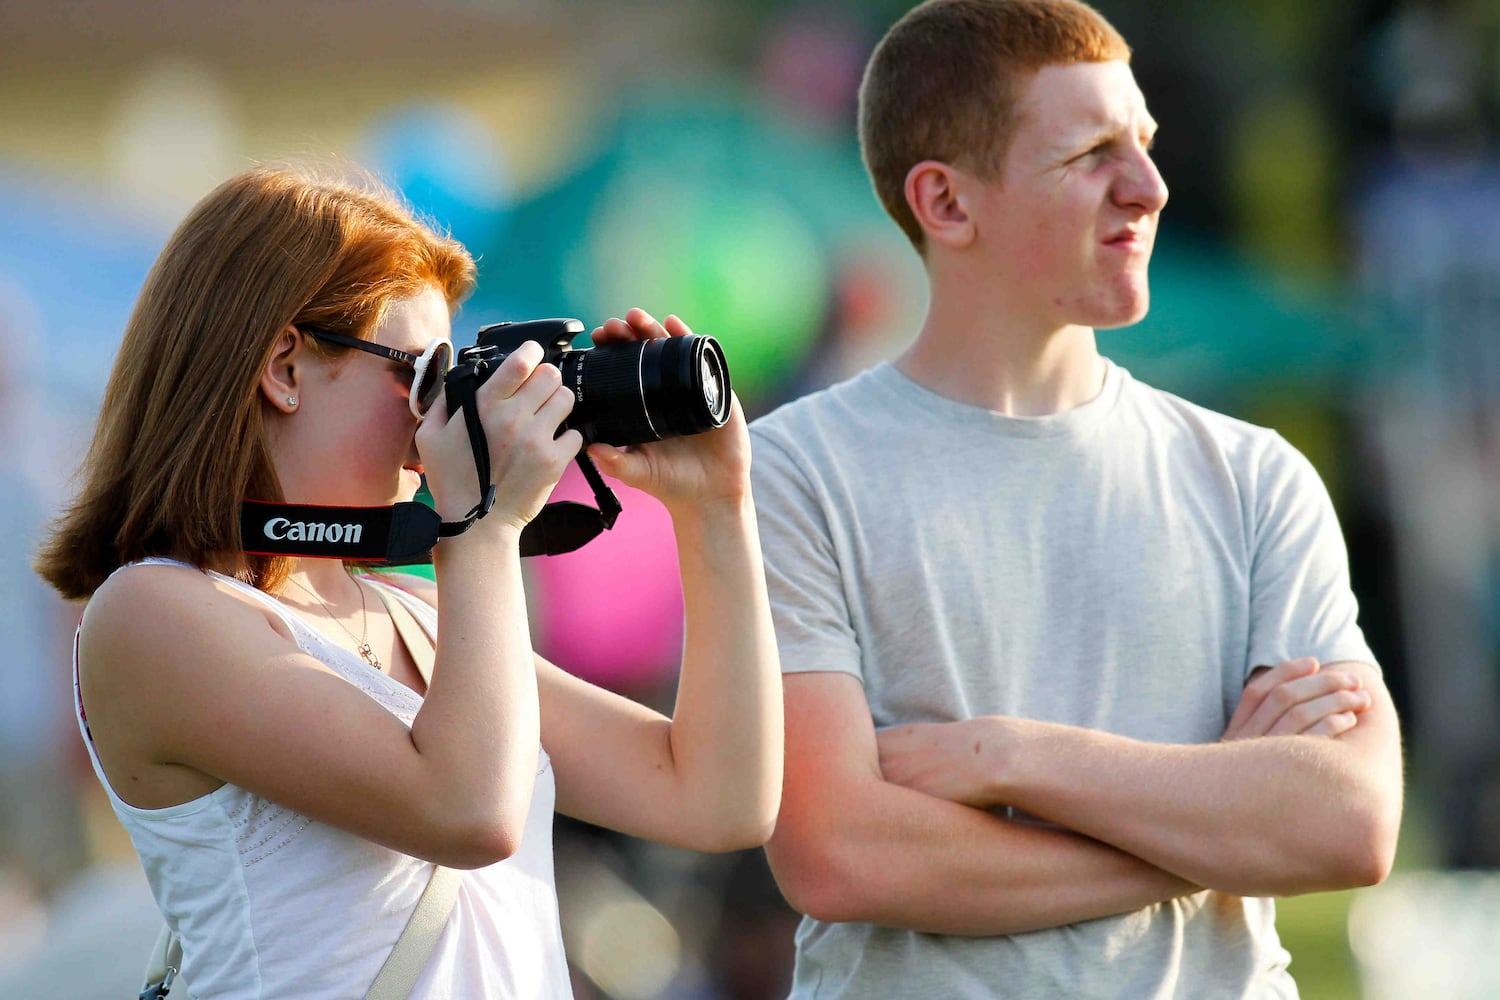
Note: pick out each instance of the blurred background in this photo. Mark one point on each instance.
(1329, 265)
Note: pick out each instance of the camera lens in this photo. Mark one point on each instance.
(648, 389)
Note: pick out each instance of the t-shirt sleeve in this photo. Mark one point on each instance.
(803, 575)
(1301, 603)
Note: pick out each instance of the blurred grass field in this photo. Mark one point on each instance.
(1315, 930)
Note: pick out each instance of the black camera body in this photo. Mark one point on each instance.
(626, 393)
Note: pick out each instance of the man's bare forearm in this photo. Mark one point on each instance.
(890, 856)
(851, 846)
(1274, 816)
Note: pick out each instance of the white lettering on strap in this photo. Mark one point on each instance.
(279, 529)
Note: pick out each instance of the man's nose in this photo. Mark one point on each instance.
(1142, 185)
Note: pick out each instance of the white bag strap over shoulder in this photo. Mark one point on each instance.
(418, 938)
(397, 976)
(414, 947)
(409, 957)
(162, 964)
(418, 643)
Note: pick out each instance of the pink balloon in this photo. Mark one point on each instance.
(611, 612)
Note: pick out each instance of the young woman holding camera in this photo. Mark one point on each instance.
(263, 730)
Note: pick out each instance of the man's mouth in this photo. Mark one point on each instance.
(1133, 235)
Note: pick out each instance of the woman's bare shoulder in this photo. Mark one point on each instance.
(147, 612)
(166, 587)
(167, 657)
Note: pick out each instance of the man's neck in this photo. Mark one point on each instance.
(1003, 366)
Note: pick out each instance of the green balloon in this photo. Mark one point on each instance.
(741, 266)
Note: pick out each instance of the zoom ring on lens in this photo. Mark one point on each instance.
(608, 404)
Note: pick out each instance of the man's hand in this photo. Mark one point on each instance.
(947, 760)
(1298, 698)
(956, 760)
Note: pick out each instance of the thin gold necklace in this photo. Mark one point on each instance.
(362, 641)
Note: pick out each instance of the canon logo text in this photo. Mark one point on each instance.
(282, 529)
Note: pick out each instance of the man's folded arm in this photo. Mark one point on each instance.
(1279, 815)
(850, 846)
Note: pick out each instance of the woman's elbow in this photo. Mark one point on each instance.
(739, 820)
(735, 831)
(478, 849)
(480, 839)
(752, 833)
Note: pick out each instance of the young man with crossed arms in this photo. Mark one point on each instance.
(1074, 682)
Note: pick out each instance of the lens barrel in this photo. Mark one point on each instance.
(647, 390)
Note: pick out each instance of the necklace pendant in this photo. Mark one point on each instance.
(369, 656)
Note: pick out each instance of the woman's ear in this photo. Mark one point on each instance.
(932, 191)
(279, 382)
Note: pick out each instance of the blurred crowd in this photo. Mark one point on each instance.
(1329, 265)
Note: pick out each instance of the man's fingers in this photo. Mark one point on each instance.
(1264, 680)
(1293, 697)
(1305, 716)
(1334, 725)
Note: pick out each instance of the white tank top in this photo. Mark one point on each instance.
(269, 903)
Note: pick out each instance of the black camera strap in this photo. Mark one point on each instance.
(566, 524)
(405, 533)
(462, 383)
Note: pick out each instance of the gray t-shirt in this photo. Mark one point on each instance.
(1121, 566)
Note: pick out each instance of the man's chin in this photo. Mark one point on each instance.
(1128, 310)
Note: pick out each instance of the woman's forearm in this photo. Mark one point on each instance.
(726, 735)
(479, 723)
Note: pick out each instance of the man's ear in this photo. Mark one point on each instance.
(932, 191)
(279, 382)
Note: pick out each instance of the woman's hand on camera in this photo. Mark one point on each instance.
(699, 468)
(520, 406)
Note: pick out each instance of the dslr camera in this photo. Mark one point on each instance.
(627, 393)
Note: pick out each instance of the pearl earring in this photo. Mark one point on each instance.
(291, 401)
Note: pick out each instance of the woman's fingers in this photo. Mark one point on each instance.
(638, 324)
